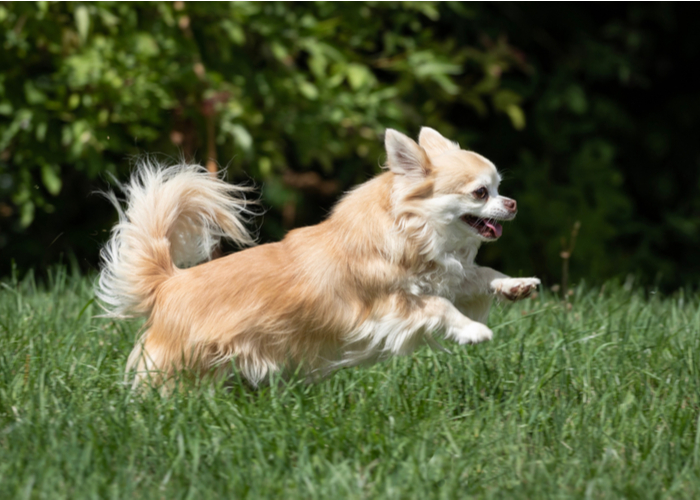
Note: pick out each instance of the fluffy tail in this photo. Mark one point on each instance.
(174, 217)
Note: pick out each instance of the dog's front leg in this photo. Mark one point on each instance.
(476, 294)
(439, 313)
(487, 281)
(514, 288)
(400, 322)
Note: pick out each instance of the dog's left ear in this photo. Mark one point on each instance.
(405, 157)
(434, 143)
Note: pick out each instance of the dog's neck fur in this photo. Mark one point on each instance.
(397, 229)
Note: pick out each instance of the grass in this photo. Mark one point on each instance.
(600, 400)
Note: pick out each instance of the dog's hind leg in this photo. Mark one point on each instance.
(145, 363)
(156, 359)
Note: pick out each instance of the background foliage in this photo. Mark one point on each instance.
(590, 111)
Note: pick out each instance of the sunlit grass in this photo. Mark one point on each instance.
(598, 400)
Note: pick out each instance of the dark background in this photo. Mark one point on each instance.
(589, 110)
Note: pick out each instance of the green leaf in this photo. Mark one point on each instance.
(33, 95)
(516, 115)
(82, 22)
(280, 51)
(318, 64)
(504, 99)
(51, 178)
(265, 166)
(438, 68)
(446, 83)
(234, 32)
(145, 45)
(26, 211)
(242, 137)
(576, 99)
(73, 101)
(358, 75)
(41, 131)
(308, 90)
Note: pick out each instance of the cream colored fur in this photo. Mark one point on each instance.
(390, 268)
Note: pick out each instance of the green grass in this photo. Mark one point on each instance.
(599, 401)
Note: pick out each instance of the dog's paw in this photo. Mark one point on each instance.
(514, 288)
(473, 333)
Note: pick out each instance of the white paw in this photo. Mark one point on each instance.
(473, 333)
(514, 288)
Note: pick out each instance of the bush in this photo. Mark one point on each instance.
(585, 109)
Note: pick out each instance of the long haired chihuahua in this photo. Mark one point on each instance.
(391, 268)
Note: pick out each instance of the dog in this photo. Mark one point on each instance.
(392, 268)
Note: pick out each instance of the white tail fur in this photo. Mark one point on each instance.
(174, 217)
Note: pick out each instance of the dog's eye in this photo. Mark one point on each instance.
(481, 193)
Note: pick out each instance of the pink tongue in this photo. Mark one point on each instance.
(495, 227)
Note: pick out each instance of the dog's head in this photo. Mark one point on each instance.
(452, 188)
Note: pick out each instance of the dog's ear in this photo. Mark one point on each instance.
(434, 143)
(404, 156)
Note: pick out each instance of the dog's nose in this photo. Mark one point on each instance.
(510, 205)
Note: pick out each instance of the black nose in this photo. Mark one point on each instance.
(510, 205)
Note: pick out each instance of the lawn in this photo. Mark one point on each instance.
(599, 398)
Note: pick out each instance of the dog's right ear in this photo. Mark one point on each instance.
(434, 142)
(404, 156)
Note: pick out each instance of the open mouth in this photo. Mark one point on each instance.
(488, 228)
